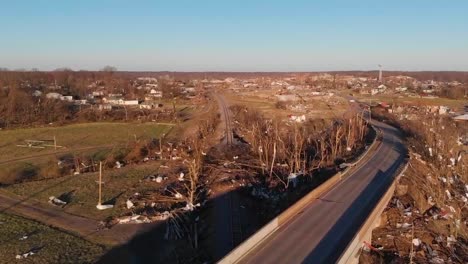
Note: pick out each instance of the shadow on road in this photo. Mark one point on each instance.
(336, 240)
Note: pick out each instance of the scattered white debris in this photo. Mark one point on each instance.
(145, 159)
(452, 160)
(56, 201)
(348, 148)
(24, 237)
(430, 201)
(437, 260)
(450, 240)
(134, 219)
(464, 199)
(159, 179)
(451, 181)
(430, 152)
(452, 209)
(293, 178)
(25, 255)
(416, 242)
(345, 165)
(104, 206)
(190, 207)
(178, 195)
(404, 225)
(181, 176)
(236, 157)
(449, 195)
(130, 204)
(118, 165)
(161, 216)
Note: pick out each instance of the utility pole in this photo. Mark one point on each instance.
(101, 206)
(100, 182)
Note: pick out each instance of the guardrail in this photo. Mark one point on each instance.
(353, 250)
(248, 245)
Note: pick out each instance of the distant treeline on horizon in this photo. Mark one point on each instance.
(461, 76)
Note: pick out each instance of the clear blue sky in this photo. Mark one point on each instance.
(235, 35)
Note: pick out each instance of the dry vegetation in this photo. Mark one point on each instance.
(426, 221)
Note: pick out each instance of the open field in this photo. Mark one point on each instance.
(312, 106)
(119, 185)
(77, 136)
(56, 246)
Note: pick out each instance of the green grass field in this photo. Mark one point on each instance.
(56, 246)
(118, 183)
(77, 136)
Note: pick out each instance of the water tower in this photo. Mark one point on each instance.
(380, 73)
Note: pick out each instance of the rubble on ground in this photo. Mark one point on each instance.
(56, 201)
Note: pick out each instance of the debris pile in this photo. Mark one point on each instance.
(56, 201)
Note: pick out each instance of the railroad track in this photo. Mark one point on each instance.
(229, 138)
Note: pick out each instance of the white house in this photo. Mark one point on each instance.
(98, 93)
(148, 105)
(156, 93)
(53, 96)
(113, 100)
(401, 89)
(105, 107)
(130, 102)
(67, 98)
(80, 102)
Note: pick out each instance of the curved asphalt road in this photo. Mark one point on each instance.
(322, 231)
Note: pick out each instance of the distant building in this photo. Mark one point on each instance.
(113, 100)
(401, 89)
(105, 107)
(53, 96)
(80, 102)
(98, 93)
(130, 102)
(155, 93)
(67, 98)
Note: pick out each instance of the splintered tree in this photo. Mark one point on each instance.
(194, 163)
(286, 150)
